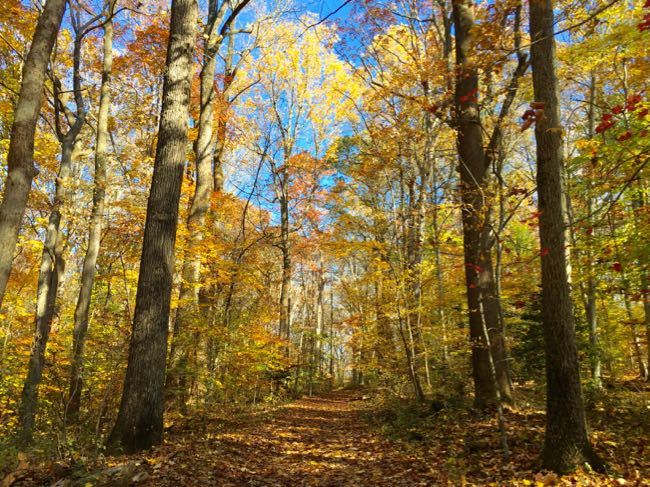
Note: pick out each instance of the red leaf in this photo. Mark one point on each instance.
(617, 109)
(624, 137)
(604, 126)
(634, 99)
(617, 267)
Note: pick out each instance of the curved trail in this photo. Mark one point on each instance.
(318, 441)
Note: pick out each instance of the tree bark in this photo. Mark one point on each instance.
(139, 423)
(191, 273)
(52, 263)
(645, 283)
(320, 316)
(479, 275)
(566, 444)
(285, 286)
(94, 228)
(208, 148)
(639, 207)
(50, 270)
(20, 158)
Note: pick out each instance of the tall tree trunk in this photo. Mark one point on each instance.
(566, 444)
(331, 336)
(95, 227)
(385, 344)
(191, 274)
(208, 150)
(52, 264)
(639, 207)
(51, 269)
(414, 235)
(590, 291)
(285, 286)
(479, 275)
(320, 316)
(20, 158)
(645, 283)
(220, 137)
(632, 323)
(139, 423)
(440, 285)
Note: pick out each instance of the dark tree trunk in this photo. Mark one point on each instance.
(645, 295)
(566, 443)
(94, 230)
(285, 286)
(20, 159)
(479, 275)
(139, 423)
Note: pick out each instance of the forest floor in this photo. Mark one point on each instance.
(347, 439)
(317, 441)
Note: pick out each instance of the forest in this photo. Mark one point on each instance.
(324, 242)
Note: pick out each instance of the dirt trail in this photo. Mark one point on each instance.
(319, 441)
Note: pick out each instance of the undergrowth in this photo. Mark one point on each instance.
(464, 444)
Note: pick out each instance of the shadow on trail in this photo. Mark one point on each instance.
(318, 441)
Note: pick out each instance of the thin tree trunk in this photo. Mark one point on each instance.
(385, 346)
(590, 301)
(415, 232)
(320, 316)
(20, 158)
(408, 354)
(95, 227)
(644, 277)
(52, 263)
(139, 423)
(440, 284)
(285, 287)
(331, 336)
(566, 444)
(51, 269)
(632, 323)
(639, 207)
